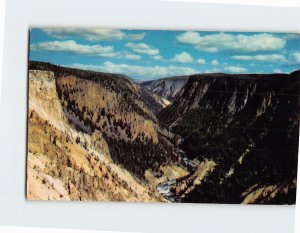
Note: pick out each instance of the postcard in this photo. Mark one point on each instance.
(163, 116)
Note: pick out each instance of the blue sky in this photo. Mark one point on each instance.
(151, 54)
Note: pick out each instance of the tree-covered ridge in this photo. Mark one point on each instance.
(249, 125)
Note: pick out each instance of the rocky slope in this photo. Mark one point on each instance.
(67, 164)
(248, 126)
(166, 88)
(93, 136)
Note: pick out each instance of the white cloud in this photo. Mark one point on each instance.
(215, 62)
(236, 69)
(132, 56)
(213, 70)
(201, 61)
(263, 58)
(143, 48)
(296, 57)
(189, 37)
(183, 57)
(91, 34)
(73, 47)
(138, 36)
(70, 46)
(236, 42)
(291, 36)
(141, 72)
(157, 57)
(278, 71)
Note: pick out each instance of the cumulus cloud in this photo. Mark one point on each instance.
(201, 61)
(70, 46)
(143, 48)
(189, 37)
(183, 57)
(236, 69)
(157, 57)
(295, 57)
(234, 42)
(135, 71)
(132, 56)
(215, 62)
(92, 34)
(263, 58)
(138, 36)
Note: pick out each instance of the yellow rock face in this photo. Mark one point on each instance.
(92, 98)
(64, 164)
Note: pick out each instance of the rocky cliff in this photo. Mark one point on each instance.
(248, 125)
(85, 123)
(69, 164)
(166, 88)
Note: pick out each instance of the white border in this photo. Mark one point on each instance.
(15, 211)
(282, 3)
(9, 229)
(2, 17)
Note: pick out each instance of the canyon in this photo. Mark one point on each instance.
(205, 138)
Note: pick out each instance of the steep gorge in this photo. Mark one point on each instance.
(223, 139)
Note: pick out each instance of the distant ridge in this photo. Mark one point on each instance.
(166, 88)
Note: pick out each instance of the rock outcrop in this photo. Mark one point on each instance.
(67, 164)
(166, 88)
(249, 126)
